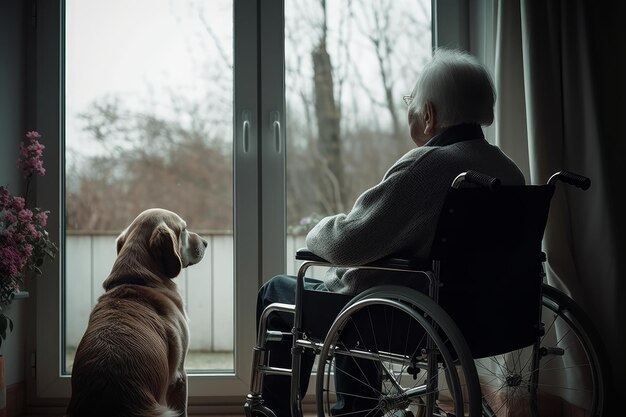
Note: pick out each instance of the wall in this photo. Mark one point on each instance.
(12, 129)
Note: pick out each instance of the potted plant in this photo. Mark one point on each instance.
(24, 240)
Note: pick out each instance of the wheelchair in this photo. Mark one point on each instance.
(488, 338)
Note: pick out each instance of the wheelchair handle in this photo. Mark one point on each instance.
(570, 178)
(477, 178)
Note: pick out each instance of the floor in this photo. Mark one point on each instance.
(196, 360)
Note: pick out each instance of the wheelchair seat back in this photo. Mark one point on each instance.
(488, 246)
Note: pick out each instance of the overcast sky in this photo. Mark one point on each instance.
(141, 49)
(126, 47)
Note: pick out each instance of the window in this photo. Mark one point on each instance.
(348, 65)
(125, 94)
(148, 119)
(112, 81)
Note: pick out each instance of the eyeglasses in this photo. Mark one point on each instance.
(407, 100)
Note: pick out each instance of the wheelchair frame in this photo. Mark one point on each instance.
(436, 318)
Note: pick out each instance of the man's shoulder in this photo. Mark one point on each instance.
(416, 154)
(409, 159)
(458, 156)
(459, 148)
(436, 154)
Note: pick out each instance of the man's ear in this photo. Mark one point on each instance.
(121, 239)
(430, 118)
(164, 249)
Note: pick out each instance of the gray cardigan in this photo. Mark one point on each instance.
(399, 215)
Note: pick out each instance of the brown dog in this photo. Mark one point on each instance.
(131, 359)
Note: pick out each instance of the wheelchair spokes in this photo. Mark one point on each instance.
(390, 371)
(399, 392)
(568, 377)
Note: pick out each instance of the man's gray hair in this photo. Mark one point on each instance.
(459, 88)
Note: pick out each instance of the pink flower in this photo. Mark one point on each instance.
(22, 230)
(42, 217)
(12, 260)
(30, 156)
(33, 134)
(32, 231)
(10, 217)
(18, 203)
(34, 149)
(25, 215)
(19, 237)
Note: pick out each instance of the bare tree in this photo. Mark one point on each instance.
(150, 162)
(328, 118)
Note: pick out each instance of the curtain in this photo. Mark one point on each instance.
(558, 76)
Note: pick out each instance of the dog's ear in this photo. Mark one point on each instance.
(164, 248)
(121, 239)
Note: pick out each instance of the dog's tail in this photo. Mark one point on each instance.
(146, 406)
(158, 411)
(163, 411)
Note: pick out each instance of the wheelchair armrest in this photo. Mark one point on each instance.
(386, 262)
(304, 254)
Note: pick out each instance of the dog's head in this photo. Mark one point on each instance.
(164, 236)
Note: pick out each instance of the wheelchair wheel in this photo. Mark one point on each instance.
(395, 352)
(570, 379)
(262, 411)
(254, 408)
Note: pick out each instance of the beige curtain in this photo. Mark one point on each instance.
(557, 76)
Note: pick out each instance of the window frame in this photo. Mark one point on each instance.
(50, 54)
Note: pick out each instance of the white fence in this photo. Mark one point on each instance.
(206, 288)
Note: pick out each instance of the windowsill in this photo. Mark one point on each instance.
(21, 294)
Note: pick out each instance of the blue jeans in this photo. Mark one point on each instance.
(277, 388)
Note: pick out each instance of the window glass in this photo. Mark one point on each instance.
(149, 110)
(348, 64)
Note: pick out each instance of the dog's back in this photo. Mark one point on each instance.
(122, 364)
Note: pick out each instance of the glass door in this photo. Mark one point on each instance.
(149, 111)
(195, 105)
(140, 103)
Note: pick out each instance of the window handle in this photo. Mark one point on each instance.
(246, 131)
(275, 117)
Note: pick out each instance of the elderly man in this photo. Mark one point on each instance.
(452, 98)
